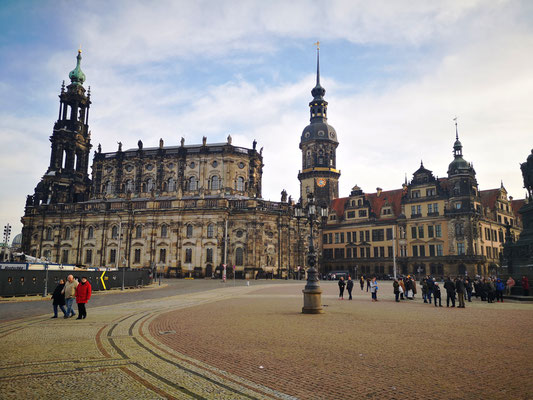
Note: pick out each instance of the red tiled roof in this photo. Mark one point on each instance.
(489, 197)
(516, 205)
(394, 198)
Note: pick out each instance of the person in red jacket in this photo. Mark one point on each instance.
(525, 285)
(83, 294)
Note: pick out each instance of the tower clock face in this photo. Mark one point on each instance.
(321, 182)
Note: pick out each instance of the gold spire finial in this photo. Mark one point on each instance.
(79, 49)
(317, 44)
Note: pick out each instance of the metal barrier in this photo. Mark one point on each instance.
(31, 282)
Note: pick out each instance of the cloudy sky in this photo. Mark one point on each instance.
(396, 73)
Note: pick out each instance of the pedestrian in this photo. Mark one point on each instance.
(402, 288)
(69, 290)
(408, 288)
(374, 289)
(362, 282)
(424, 284)
(500, 287)
(525, 285)
(396, 287)
(349, 286)
(368, 280)
(58, 298)
(83, 294)
(469, 289)
(450, 292)
(431, 284)
(436, 294)
(510, 284)
(413, 286)
(460, 289)
(341, 288)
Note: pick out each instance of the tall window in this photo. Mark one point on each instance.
(421, 231)
(112, 256)
(67, 233)
(129, 186)
(430, 231)
(138, 231)
(459, 229)
(162, 255)
(137, 256)
(88, 256)
(209, 255)
(189, 231)
(438, 231)
(49, 233)
(164, 230)
(193, 183)
(240, 184)
(171, 185)
(188, 256)
(210, 230)
(413, 232)
(64, 257)
(239, 256)
(460, 248)
(90, 233)
(215, 183)
(114, 232)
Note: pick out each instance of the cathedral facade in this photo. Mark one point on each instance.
(185, 209)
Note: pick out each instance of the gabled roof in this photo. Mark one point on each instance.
(489, 197)
(392, 197)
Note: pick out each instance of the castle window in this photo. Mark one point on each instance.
(362, 213)
(108, 187)
(188, 256)
(138, 231)
(460, 249)
(360, 202)
(114, 232)
(47, 254)
(239, 256)
(49, 233)
(240, 184)
(171, 185)
(137, 256)
(162, 255)
(164, 231)
(210, 230)
(459, 229)
(193, 183)
(209, 255)
(67, 233)
(112, 256)
(64, 257)
(189, 231)
(415, 194)
(88, 256)
(215, 183)
(90, 233)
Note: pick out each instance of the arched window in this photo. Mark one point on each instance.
(239, 256)
(90, 233)
(193, 183)
(171, 185)
(108, 187)
(240, 184)
(459, 229)
(210, 230)
(149, 184)
(138, 231)
(114, 232)
(164, 230)
(188, 256)
(215, 183)
(49, 233)
(189, 231)
(67, 233)
(129, 186)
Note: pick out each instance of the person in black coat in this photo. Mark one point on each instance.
(436, 294)
(450, 292)
(460, 289)
(341, 288)
(349, 286)
(58, 298)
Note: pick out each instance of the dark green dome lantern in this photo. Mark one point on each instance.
(77, 77)
(459, 165)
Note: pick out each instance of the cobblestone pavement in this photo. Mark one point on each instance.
(254, 343)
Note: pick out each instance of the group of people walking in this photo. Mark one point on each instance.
(372, 286)
(66, 292)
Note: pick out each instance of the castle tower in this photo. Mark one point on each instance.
(66, 180)
(318, 144)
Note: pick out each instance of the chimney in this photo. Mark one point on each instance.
(378, 190)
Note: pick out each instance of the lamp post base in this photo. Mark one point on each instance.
(312, 301)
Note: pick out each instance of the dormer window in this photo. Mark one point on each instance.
(415, 194)
(386, 211)
(353, 203)
(430, 192)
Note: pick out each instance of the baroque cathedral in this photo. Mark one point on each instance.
(189, 209)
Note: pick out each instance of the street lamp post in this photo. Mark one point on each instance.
(312, 291)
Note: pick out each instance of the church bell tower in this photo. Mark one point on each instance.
(318, 144)
(66, 180)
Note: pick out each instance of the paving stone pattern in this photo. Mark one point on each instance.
(254, 343)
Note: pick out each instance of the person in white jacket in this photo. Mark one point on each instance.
(374, 289)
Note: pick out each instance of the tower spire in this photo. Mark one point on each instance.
(318, 91)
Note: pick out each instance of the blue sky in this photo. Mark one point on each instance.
(396, 73)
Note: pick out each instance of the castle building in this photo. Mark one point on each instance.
(437, 226)
(186, 208)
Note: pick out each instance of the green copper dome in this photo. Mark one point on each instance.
(77, 76)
